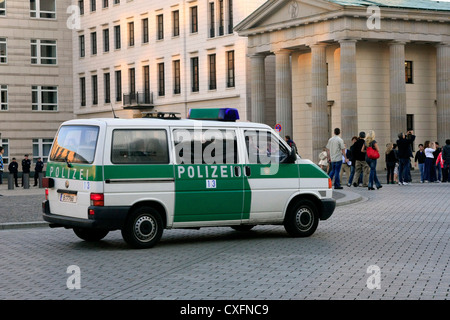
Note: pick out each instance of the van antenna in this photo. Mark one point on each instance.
(114, 114)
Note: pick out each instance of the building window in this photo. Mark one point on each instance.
(176, 23)
(41, 149)
(44, 98)
(81, 43)
(3, 97)
(212, 20)
(107, 84)
(132, 81)
(146, 75)
(5, 144)
(409, 122)
(161, 80)
(94, 90)
(160, 27)
(409, 72)
(131, 34)
(221, 18)
(194, 74)
(3, 55)
(116, 1)
(83, 91)
(145, 30)
(194, 19)
(81, 6)
(3, 8)
(105, 40)
(118, 85)
(230, 16)
(93, 5)
(93, 43)
(230, 69)
(117, 37)
(105, 3)
(43, 51)
(43, 9)
(212, 72)
(176, 77)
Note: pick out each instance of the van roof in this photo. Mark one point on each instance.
(163, 122)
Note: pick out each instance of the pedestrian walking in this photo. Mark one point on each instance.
(37, 170)
(352, 162)
(404, 155)
(26, 166)
(2, 150)
(336, 149)
(446, 158)
(370, 142)
(361, 165)
(13, 169)
(391, 160)
(430, 170)
(419, 159)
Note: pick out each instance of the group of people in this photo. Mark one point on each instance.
(359, 162)
(13, 168)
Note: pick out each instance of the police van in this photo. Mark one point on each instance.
(158, 172)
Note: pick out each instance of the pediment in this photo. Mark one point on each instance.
(280, 12)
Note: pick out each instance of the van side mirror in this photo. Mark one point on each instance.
(291, 158)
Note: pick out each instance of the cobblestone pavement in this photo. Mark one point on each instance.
(402, 231)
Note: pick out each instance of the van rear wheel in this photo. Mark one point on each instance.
(90, 235)
(143, 228)
(302, 219)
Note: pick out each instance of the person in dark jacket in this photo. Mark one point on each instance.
(404, 156)
(38, 169)
(391, 160)
(26, 165)
(446, 158)
(360, 158)
(13, 169)
(420, 159)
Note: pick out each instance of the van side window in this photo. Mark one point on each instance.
(210, 146)
(264, 148)
(139, 146)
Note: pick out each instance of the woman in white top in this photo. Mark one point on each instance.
(430, 169)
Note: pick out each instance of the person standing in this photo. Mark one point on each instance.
(291, 143)
(352, 162)
(430, 170)
(420, 160)
(26, 166)
(336, 149)
(360, 158)
(436, 155)
(446, 158)
(323, 160)
(391, 160)
(404, 155)
(37, 170)
(372, 143)
(13, 169)
(346, 165)
(1, 164)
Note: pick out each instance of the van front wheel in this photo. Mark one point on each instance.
(143, 228)
(302, 219)
(90, 235)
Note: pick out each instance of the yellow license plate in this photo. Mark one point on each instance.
(68, 197)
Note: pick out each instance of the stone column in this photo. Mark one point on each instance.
(283, 91)
(443, 92)
(397, 89)
(258, 88)
(349, 102)
(319, 99)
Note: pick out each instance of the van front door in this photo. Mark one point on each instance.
(208, 177)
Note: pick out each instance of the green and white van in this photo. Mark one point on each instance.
(142, 176)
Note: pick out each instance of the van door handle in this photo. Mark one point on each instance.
(237, 171)
(248, 171)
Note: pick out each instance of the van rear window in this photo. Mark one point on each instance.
(75, 144)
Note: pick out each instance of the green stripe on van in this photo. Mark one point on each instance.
(133, 171)
(85, 172)
(311, 170)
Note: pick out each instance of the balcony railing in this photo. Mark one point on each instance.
(137, 99)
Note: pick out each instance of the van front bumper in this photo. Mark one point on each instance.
(110, 218)
(328, 206)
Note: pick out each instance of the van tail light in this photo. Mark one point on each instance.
(97, 199)
(330, 184)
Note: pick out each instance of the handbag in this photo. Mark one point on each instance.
(372, 153)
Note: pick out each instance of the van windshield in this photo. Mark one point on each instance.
(75, 144)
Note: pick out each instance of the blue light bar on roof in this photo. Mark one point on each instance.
(220, 114)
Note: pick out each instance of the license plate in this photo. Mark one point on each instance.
(68, 197)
